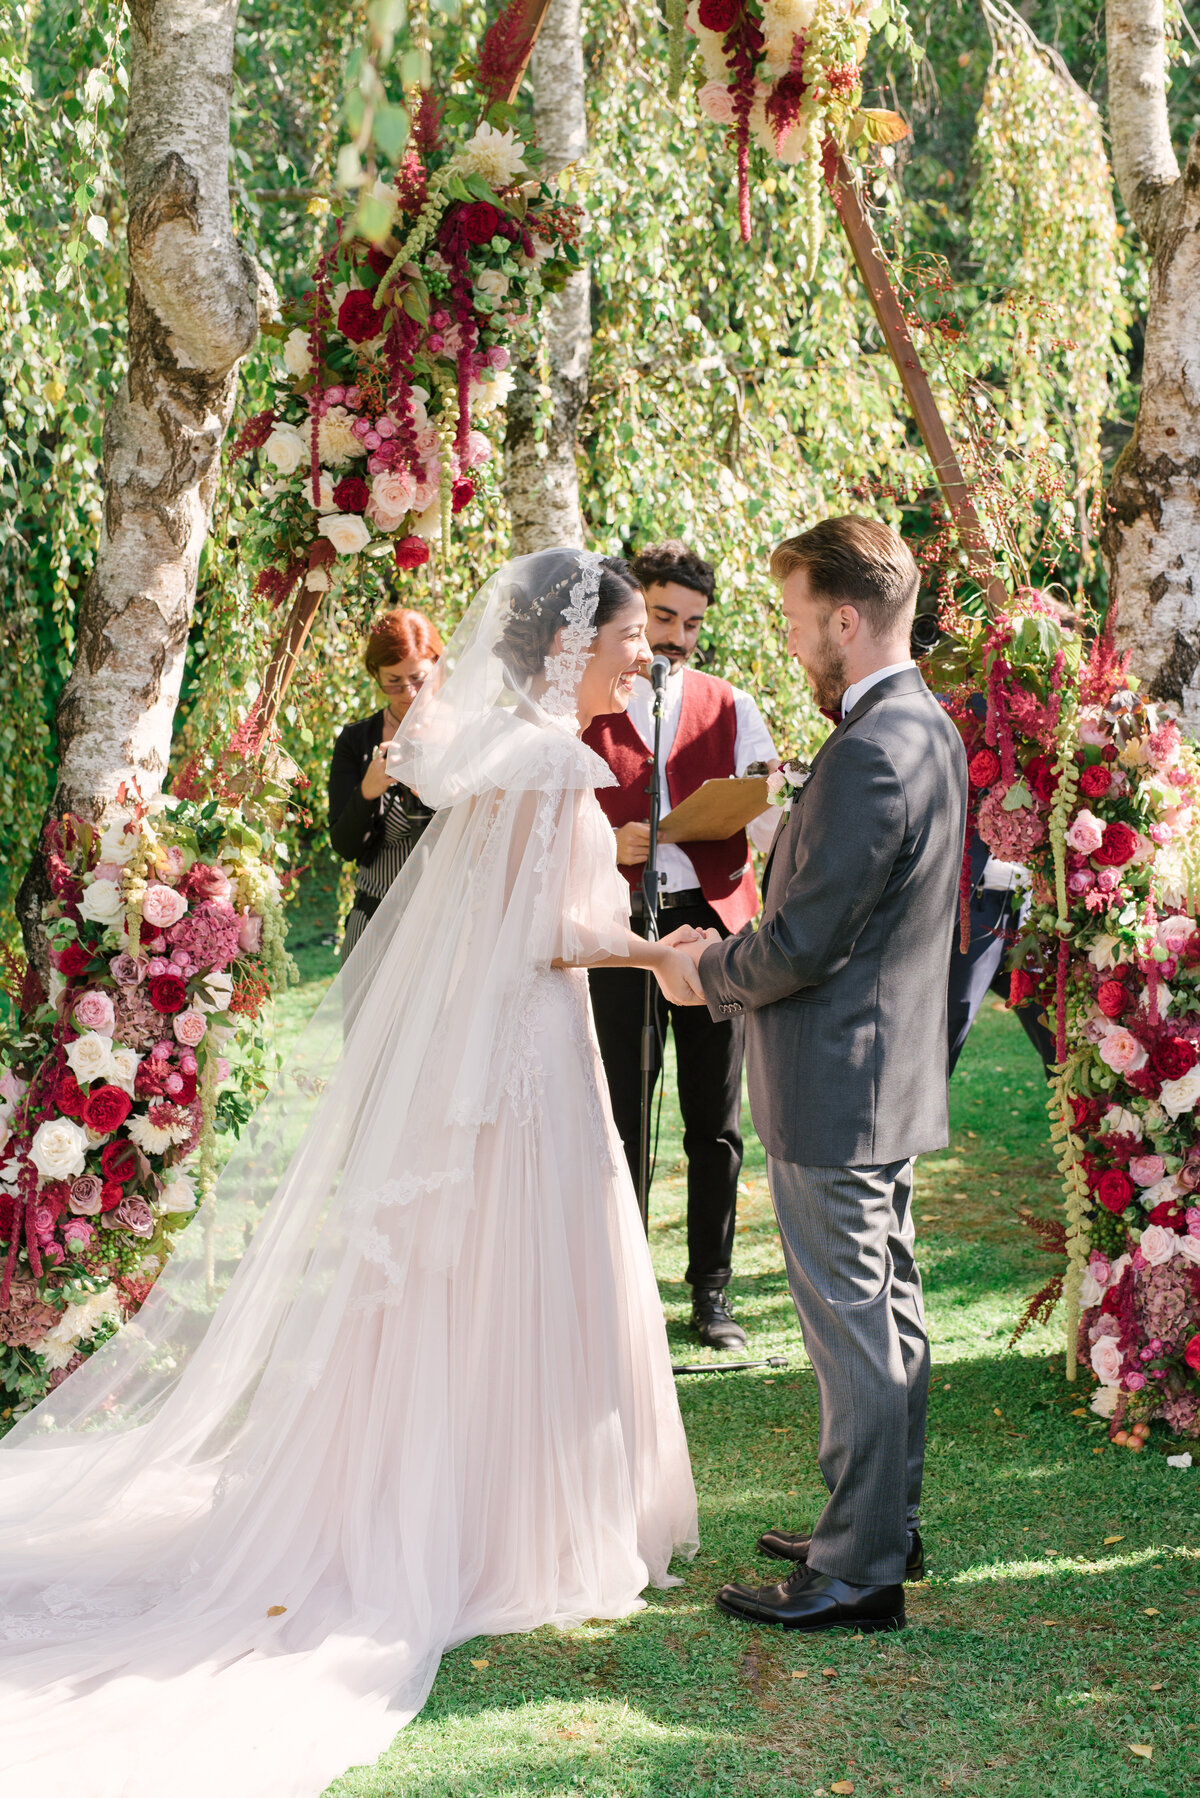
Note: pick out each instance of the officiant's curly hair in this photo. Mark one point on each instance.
(535, 611)
(660, 563)
(855, 561)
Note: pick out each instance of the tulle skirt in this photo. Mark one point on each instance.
(495, 1448)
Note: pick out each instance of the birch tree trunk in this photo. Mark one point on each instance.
(192, 315)
(1151, 535)
(541, 484)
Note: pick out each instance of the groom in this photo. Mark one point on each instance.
(843, 986)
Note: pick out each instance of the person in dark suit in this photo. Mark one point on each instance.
(374, 820)
(843, 987)
(979, 968)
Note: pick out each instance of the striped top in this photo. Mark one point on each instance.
(404, 819)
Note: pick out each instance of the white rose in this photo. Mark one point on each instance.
(1157, 1245)
(285, 449)
(1178, 1096)
(1104, 953)
(1119, 1122)
(1104, 1401)
(296, 357)
(346, 531)
(1188, 1249)
(428, 524)
(1090, 1290)
(101, 903)
(125, 1064)
(1106, 1361)
(58, 1149)
(1163, 1192)
(493, 282)
(90, 1057)
(179, 1194)
(115, 845)
(217, 992)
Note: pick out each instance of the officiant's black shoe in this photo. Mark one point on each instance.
(786, 1547)
(817, 1601)
(712, 1320)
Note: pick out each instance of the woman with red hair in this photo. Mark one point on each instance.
(373, 819)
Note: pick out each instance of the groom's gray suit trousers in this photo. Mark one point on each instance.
(848, 1242)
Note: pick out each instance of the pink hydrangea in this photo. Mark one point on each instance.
(1011, 836)
(209, 935)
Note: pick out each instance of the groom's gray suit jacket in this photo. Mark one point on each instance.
(844, 981)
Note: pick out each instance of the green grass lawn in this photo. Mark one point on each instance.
(1037, 1652)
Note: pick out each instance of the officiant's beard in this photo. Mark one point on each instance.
(827, 677)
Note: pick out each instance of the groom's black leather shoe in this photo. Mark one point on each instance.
(712, 1320)
(816, 1601)
(786, 1547)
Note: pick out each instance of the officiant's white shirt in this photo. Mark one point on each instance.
(751, 744)
(852, 695)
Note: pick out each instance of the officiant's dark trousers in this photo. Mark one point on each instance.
(708, 1058)
(848, 1242)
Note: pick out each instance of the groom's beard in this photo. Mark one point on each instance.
(827, 678)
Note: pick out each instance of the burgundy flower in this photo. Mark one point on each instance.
(204, 881)
(983, 768)
(119, 1160)
(1095, 781)
(167, 993)
(74, 961)
(357, 317)
(718, 15)
(1112, 996)
(111, 1194)
(411, 552)
(1119, 845)
(1114, 1190)
(1041, 779)
(1021, 986)
(462, 493)
(1170, 1214)
(351, 494)
(69, 1096)
(1174, 1057)
(1082, 1111)
(107, 1108)
(480, 222)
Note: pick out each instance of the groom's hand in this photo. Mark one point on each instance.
(699, 941)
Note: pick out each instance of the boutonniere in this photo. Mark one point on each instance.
(786, 782)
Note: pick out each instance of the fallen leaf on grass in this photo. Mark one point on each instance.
(802, 1674)
(829, 1673)
(1151, 1612)
(842, 1785)
(1157, 1686)
(1143, 1750)
(276, 1610)
(480, 1665)
(1109, 1540)
(1079, 1411)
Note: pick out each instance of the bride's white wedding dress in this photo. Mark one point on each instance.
(435, 1399)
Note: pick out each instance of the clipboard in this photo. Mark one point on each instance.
(715, 811)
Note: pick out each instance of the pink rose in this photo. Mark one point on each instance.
(1147, 1170)
(206, 880)
(94, 1011)
(250, 933)
(189, 1027)
(77, 1233)
(135, 1216)
(107, 871)
(1107, 880)
(10, 1087)
(1086, 833)
(1157, 1245)
(85, 1195)
(163, 906)
(1193, 1220)
(1082, 881)
(1176, 933)
(716, 102)
(1133, 1382)
(1122, 1052)
(127, 970)
(391, 498)
(1106, 1361)
(1100, 1270)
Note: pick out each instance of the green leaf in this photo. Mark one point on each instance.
(389, 128)
(1017, 798)
(373, 218)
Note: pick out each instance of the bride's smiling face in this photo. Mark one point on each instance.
(617, 652)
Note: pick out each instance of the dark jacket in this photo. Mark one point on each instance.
(844, 982)
(355, 823)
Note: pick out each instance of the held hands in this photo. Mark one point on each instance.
(377, 780)
(675, 964)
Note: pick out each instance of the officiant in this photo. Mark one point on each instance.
(710, 731)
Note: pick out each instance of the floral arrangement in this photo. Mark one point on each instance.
(166, 937)
(399, 352)
(787, 75)
(1094, 790)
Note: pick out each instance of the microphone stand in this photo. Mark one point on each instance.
(650, 913)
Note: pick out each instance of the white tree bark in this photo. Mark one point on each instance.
(192, 315)
(1151, 536)
(541, 484)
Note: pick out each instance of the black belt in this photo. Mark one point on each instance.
(366, 903)
(669, 901)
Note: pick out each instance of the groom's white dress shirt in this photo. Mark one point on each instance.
(751, 744)
(852, 695)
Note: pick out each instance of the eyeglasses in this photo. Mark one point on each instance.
(410, 683)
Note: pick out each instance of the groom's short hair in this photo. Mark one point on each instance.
(859, 562)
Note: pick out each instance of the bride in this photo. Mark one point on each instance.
(435, 1399)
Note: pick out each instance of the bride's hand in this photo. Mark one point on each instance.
(683, 933)
(676, 974)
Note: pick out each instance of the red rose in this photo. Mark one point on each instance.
(168, 993)
(1174, 1057)
(1041, 779)
(1191, 1353)
(118, 1161)
(357, 317)
(74, 961)
(983, 768)
(1112, 997)
(107, 1109)
(1119, 845)
(351, 494)
(480, 222)
(718, 15)
(1082, 1111)
(411, 552)
(1169, 1214)
(1021, 986)
(1095, 781)
(1114, 1190)
(462, 493)
(69, 1096)
(111, 1194)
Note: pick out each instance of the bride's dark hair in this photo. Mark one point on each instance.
(541, 595)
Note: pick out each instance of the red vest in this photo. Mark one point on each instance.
(704, 749)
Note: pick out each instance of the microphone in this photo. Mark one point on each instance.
(659, 670)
